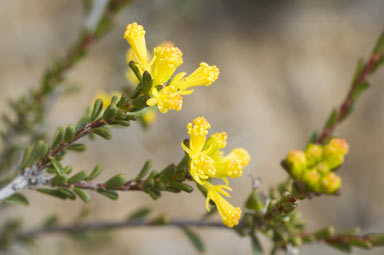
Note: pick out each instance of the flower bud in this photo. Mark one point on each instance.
(297, 163)
(322, 168)
(311, 178)
(314, 153)
(330, 183)
(337, 146)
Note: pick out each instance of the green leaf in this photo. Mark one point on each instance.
(340, 246)
(82, 194)
(254, 202)
(26, 156)
(77, 177)
(144, 170)
(123, 102)
(116, 181)
(361, 243)
(17, 198)
(69, 134)
(51, 221)
(168, 172)
(124, 123)
(359, 69)
(376, 239)
(38, 152)
(379, 47)
(59, 179)
(154, 194)
(108, 193)
(110, 113)
(140, 102)
(181, 186)
(312, 137)
(68, 169)
(135, 69)
(104, 132)
(149, 183)
(332, 119)
(52, 192)
(58, 138)
(256, 246)
(194, 239)
(66, 192)
(77, 147)
(95, 172)
(57, 166)
(356, 92)
(139, 214)
(97, 108)
(159, 185)
(160, 220)
(147, 83)
(325, 233)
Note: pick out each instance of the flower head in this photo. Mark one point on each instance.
(203, 75)
(165, 61)
(135, 36)
(230, 215)
(167, 99)
(208, 161)
(316, 164)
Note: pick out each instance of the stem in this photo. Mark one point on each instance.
(34, 105)
(34, 175)
(346, 105)
(128, 186)
(108, 225)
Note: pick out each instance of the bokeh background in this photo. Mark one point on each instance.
(284, 65)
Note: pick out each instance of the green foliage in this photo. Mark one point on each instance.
(17, 198)
(194, 239)
(95, 172)
(116, 181)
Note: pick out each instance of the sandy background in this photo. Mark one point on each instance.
(284, 65)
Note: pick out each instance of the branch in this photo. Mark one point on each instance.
(34, 175)
(359, 84)
(108, 225)
(30, 109)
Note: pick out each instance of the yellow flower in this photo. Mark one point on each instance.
(106, 97)
(165, 61)
(232, 165)
(207, 159)
(135, 36)
(230, 215)
(203, 75)
(167, 99)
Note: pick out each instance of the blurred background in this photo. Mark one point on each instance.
(284, 65)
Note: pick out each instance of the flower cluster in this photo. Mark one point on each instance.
(166, 92)
(207, 160)
(315, 166)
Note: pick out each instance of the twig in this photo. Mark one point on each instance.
(128, 186)
(34, 175)
(108, 225)
(346, 105)
(34, 105)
